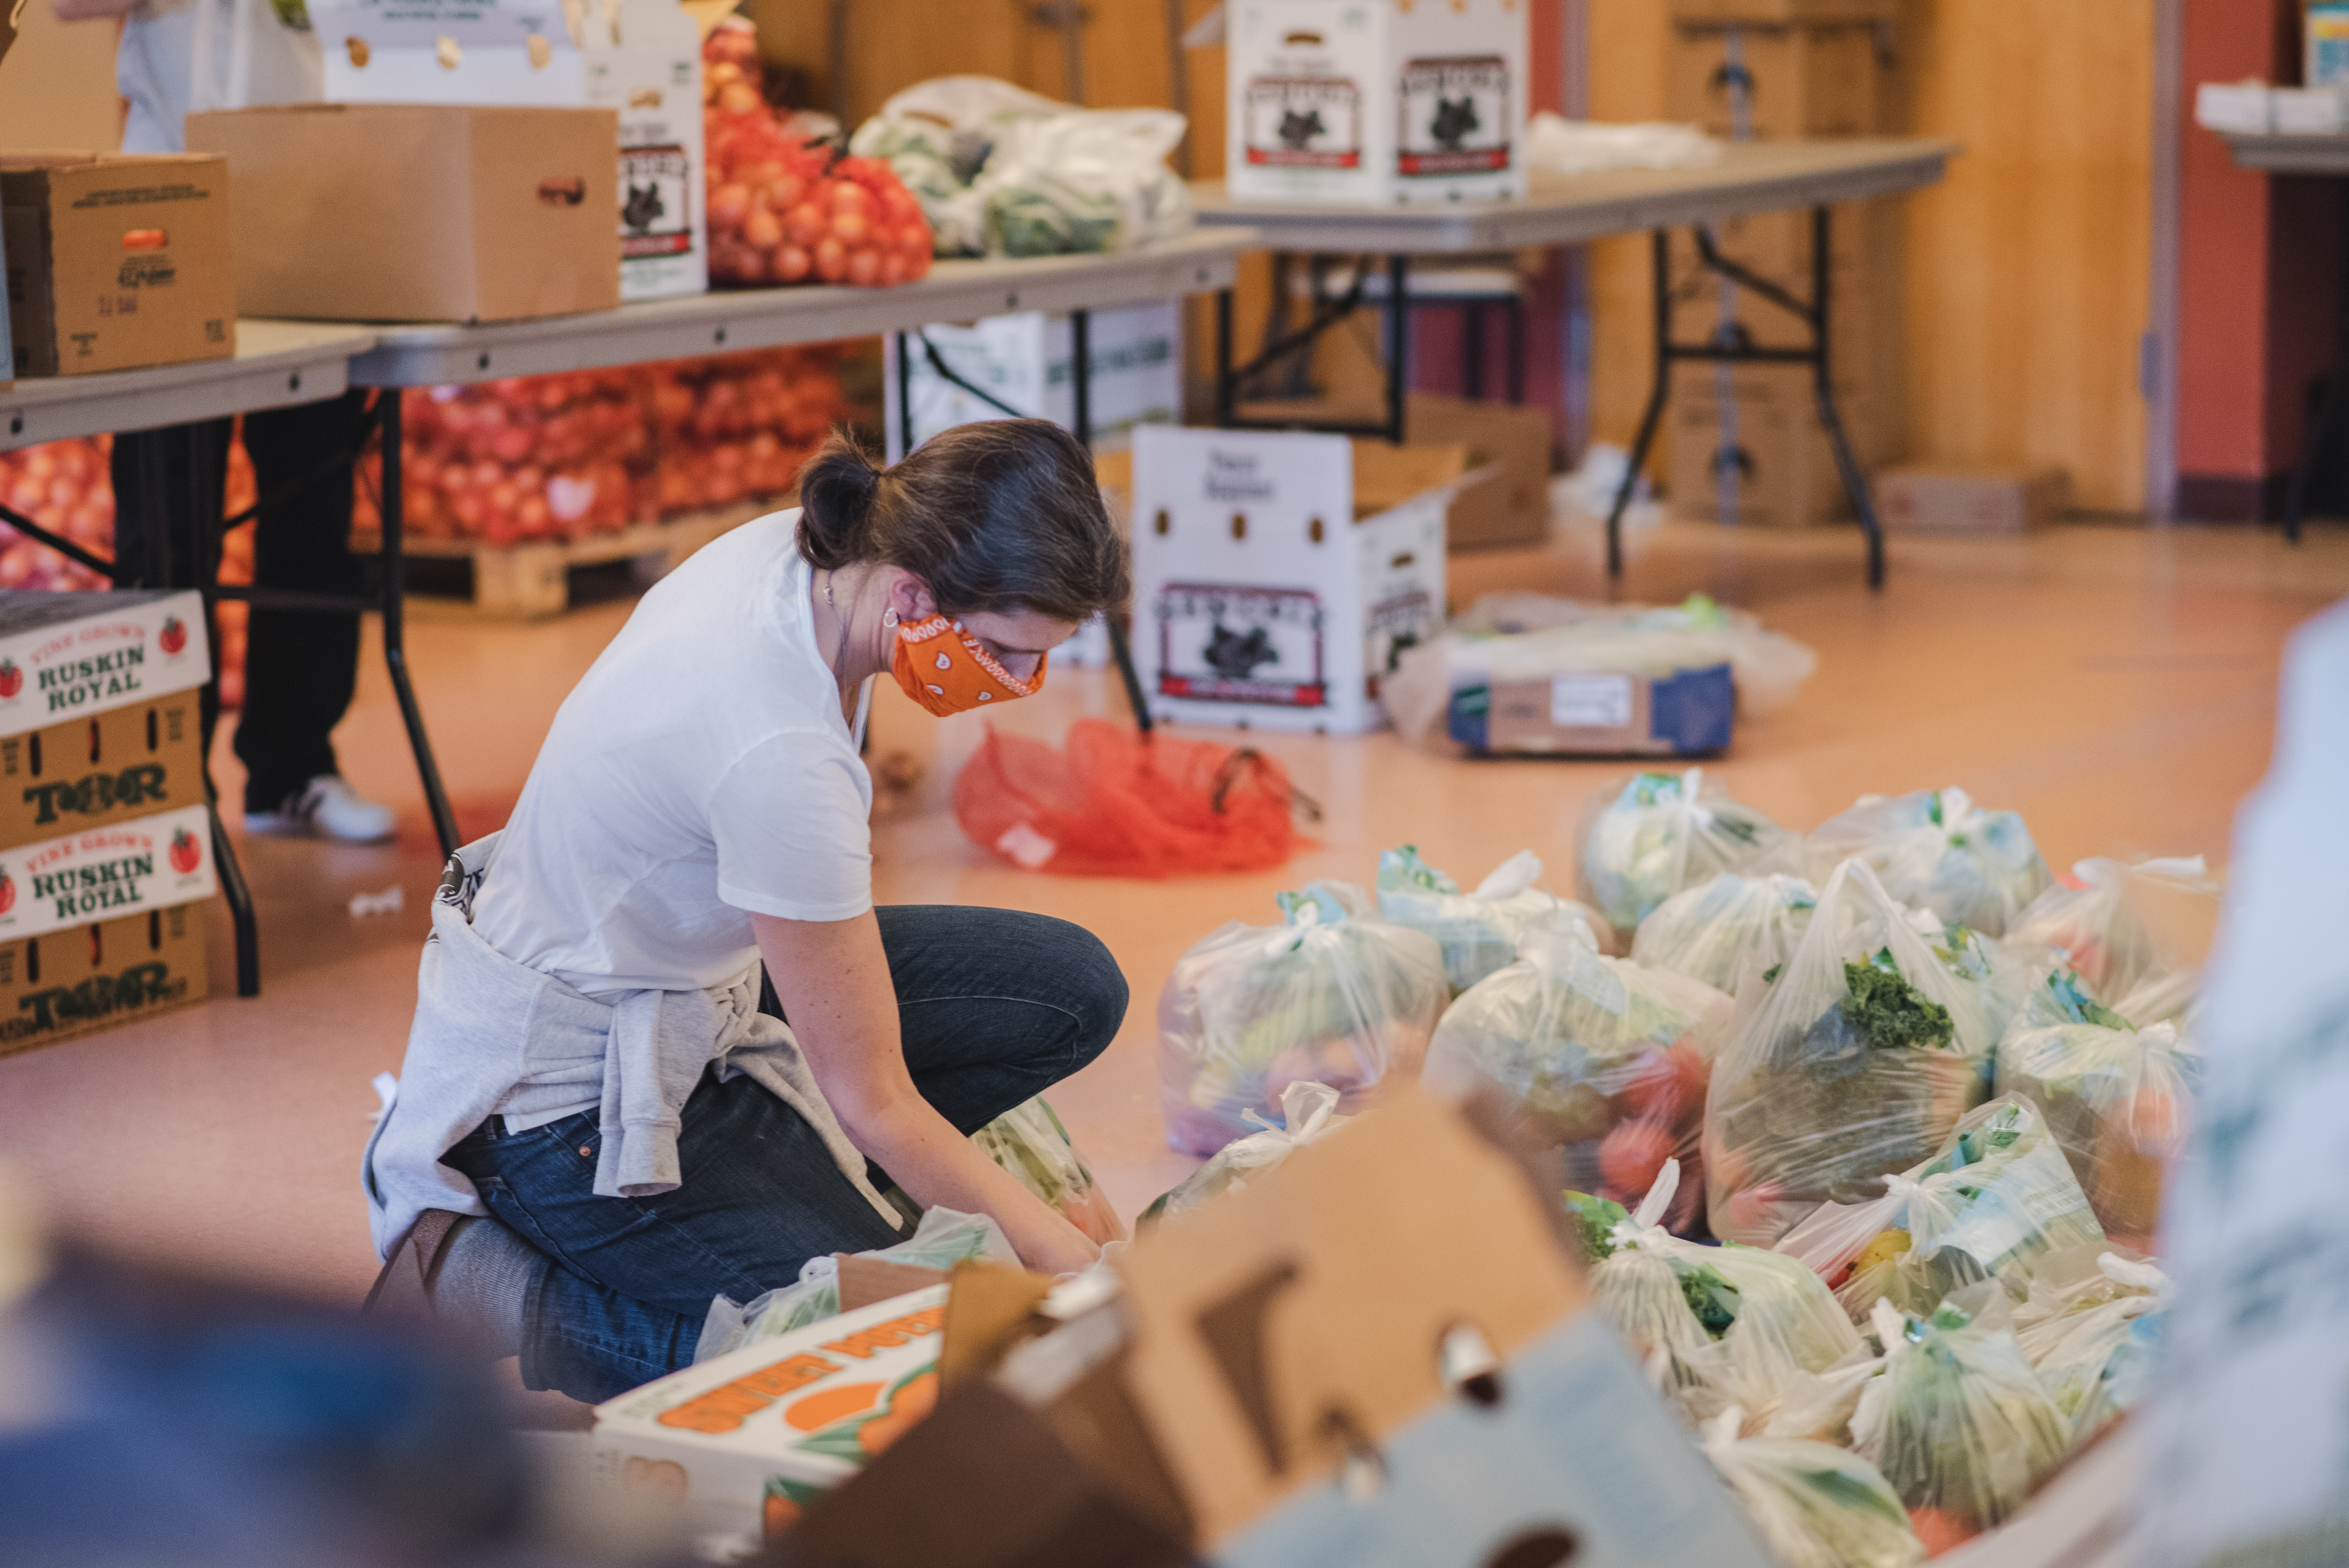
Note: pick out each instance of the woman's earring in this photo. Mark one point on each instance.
(889, 617)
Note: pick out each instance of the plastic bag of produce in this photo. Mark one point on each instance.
(1939, 851)
(943, 1239)
(2094, 1339)
(1853, 1063)
(1726, 1325)
(1308, 1113)
(1599, 1054)
(2000, 974)
(1656, 834)
(1030, 1143)
(1717, 932)
(1334, 996)
(1816, 1505)
(2119, 1098)
(1995, 1203)
(2088, 915)
(1958, 1422)
(2168, 999)
(1477, 931)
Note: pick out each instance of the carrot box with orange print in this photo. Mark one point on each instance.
(761, 1432)
(79, 980)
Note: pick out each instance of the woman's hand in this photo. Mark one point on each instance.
(832, 977)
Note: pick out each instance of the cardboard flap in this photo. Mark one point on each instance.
(864, 1281)
(1387, 476)
(1304, 1315)
(991, 1307)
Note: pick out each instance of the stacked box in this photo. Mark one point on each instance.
(105, 836)
(1028, 360)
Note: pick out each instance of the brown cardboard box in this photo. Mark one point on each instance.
(1509, 503)
(422, 213)
(1961, 499)
(116, 262)
(89, 772)
(63, 985)
(1805, 80)
(1787, 471)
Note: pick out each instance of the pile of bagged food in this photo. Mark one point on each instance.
(1864, 1129)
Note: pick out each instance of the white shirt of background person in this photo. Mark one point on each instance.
(179, 57)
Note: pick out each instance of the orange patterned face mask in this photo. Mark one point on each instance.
(944, 669)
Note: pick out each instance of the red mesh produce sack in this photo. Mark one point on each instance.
(1119, 803)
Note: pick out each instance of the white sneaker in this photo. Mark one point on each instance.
(326, 809)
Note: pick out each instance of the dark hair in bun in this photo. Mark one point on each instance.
(1001, 515)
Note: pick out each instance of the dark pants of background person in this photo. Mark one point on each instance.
(994, 1006)
(300, 666)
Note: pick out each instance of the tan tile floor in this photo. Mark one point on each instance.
(2115, 684)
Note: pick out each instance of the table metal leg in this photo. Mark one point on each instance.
(1660, 265)
(1225, 391)
(2313, 448)
(1081, 376)
(904, 342)
(395, 631)
(1855, 483)
(240, 907)
(1398, 345)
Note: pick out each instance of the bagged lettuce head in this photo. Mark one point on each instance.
(1478, 931)
(1817, 1505)
(1717, 932)
(1937, 849)
(1656, 834)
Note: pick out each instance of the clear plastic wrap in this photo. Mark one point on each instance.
(1937, 849)
(1852, 1064)
(1308, 1113)
(1716, 932)
(1996, 1202)
(2119, 1099)
(1028, 1141)
(1477, 931)
(1601, 1055)
(2088, 917)
(2166, 999)
(1816, 1505)
(1655, 834)
(1958, 1422)
(943, 1239)
(1335, 995)
(2095, 1337)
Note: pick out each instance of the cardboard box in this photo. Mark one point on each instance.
(1339, 102)
(1028, 361)
(116, 262)
(89, 772)
(78, 981)
(1277, 574)
(1505, 501)
(1788, 476)
(1598, 713)
(1803, 81)
(640, 58)
(1962, 500)
(414, 212)
(103, 874)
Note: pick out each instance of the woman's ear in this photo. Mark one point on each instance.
(910, 596)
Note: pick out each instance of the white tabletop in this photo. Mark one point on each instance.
(2292, 154)
(729, 320)
(276, 363)
(1563, 210)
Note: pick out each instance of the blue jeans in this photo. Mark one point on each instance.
(994, 1006)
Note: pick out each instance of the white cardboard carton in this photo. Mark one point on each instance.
(1028, 361)
(1259, 598)
(74, 655)
(761, 1431)
(640, 57)
(99, 873)
(1376, 102)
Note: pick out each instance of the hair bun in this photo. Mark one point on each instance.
(837, 489)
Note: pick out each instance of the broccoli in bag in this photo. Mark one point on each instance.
(2089, 916)
(1657, 834)
(2120, 1100)
(1817, 1505)
(1477, 931)
(1600, 1055)
(1853, 1062)
(1335, 995)
(1028, 1141)
(1937, 849)
(1717, 932)
(1308, 1113)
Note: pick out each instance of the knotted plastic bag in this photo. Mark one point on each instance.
(1656, 834)
(1958, 1422)
(1308, 1113)
(1993, 1204)
(1335, 995)
(1477, 931)
(943, 1239)
(1816, 1505)
(1119, 803)
(1601, 1055)
(1716, 932)
(1853, 1063)
(2119, 1099)
(1937, 849)
(2088, 916)
(2095, 1338)
(1028, 1141)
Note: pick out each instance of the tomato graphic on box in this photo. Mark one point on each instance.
(7, 892)
(186, 855)
(12, 679)
(175, 634)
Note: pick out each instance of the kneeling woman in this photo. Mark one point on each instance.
(594, 1061)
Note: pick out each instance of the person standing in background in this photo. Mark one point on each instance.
(179, 57)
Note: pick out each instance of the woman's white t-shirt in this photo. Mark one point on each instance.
(700, 772)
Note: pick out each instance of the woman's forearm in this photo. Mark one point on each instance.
(938, 1166)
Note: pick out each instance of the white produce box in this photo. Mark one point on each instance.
(1376, 102)
(1028, 360)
